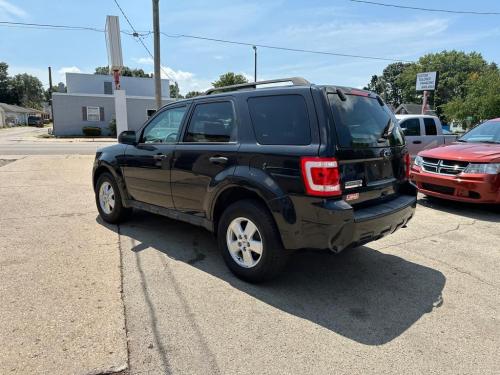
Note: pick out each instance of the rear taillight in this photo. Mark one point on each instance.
(321, 176)
(407, 166)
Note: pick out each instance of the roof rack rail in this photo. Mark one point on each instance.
(296, 81)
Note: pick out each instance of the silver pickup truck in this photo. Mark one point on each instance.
(423, 132)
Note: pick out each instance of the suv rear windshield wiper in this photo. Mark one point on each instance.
(386, 131)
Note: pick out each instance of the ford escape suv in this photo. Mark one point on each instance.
(267, 168)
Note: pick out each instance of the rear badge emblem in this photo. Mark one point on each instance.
(386, 153)
(353, 184)
(351, 197)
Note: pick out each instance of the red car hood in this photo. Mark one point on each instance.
(474, 152)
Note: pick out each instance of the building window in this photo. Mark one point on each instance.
(108, 88)
(93, 114)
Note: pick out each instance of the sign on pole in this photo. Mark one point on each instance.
(426, 81)
(113, 43)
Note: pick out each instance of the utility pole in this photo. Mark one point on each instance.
(254, 63)
(51, 101)
(156, 32)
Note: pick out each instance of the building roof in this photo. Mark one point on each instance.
(17, 109)
(412, 109)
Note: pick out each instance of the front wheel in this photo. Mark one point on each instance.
(108, 200)
(250, 242)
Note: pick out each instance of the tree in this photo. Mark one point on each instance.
(125, 72)
(28, 90)
(192, 94)
(6, 94)
(454, 69)
(174, 91)
(482, 101)
(228, 79)
(388, 84)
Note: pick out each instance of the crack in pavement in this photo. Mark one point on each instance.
(73, 214)
(453, 267)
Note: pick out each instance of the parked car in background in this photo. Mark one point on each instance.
(468, 170)
(269, 170)
(423, 132)
(35, 121)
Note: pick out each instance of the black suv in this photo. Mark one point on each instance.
(267, 168)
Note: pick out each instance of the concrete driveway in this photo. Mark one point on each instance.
(423, 300)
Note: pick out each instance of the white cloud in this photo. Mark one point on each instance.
(69, 69)
(144, 60)
(8, 10)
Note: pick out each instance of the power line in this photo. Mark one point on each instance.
(43, 26)
(427, 9)
(139, 38)
(283, 48)
(50, 26)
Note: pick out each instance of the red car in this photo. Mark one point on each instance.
(468, 170)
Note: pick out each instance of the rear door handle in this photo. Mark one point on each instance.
(159, 157)
(417, 142)
(218, 160)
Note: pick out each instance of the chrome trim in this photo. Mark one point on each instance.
(442, 166)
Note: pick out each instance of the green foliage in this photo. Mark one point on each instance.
(125, 72)
(192, 94)
(112, 127)
(22, 89)
(28, 90)
(174, 91)
(91, 131)
(388, 84)
(229, 78)
(454, 69)
(397, 83)
(482, 101)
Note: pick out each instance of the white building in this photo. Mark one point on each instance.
(89, 101)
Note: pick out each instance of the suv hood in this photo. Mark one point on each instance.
(473, 152)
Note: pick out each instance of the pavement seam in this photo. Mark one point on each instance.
(44, 216)
(122, 298)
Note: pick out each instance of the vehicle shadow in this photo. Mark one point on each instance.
(484, 212)
(362, 294)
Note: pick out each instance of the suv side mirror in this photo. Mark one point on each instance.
(128, 137)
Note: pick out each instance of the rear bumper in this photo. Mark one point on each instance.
(473, 188)
(336, 225)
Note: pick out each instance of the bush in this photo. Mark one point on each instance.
(91, 131)
(112, 127)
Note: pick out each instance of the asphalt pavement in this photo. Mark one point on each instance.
(28, 141)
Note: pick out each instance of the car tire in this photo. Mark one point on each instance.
(108, 200)
(250, 218)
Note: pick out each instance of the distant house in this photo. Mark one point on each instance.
(413, 109)
(13, 115)
(89, 101)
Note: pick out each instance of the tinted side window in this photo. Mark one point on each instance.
(280, 120)
(412, 126)
(212, 122)
(164, 128)
(430, 126)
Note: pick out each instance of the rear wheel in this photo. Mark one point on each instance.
(250, 242)
(108, 200)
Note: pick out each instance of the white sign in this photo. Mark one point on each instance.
(426, 81)
(113, 43)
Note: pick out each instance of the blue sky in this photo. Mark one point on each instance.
(335, 25)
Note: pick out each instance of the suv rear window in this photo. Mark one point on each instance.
(361, 121)
(280, 120)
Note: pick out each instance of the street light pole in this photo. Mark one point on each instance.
(255, 63)
(156, 32)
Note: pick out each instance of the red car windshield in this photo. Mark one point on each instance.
(487, 132)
